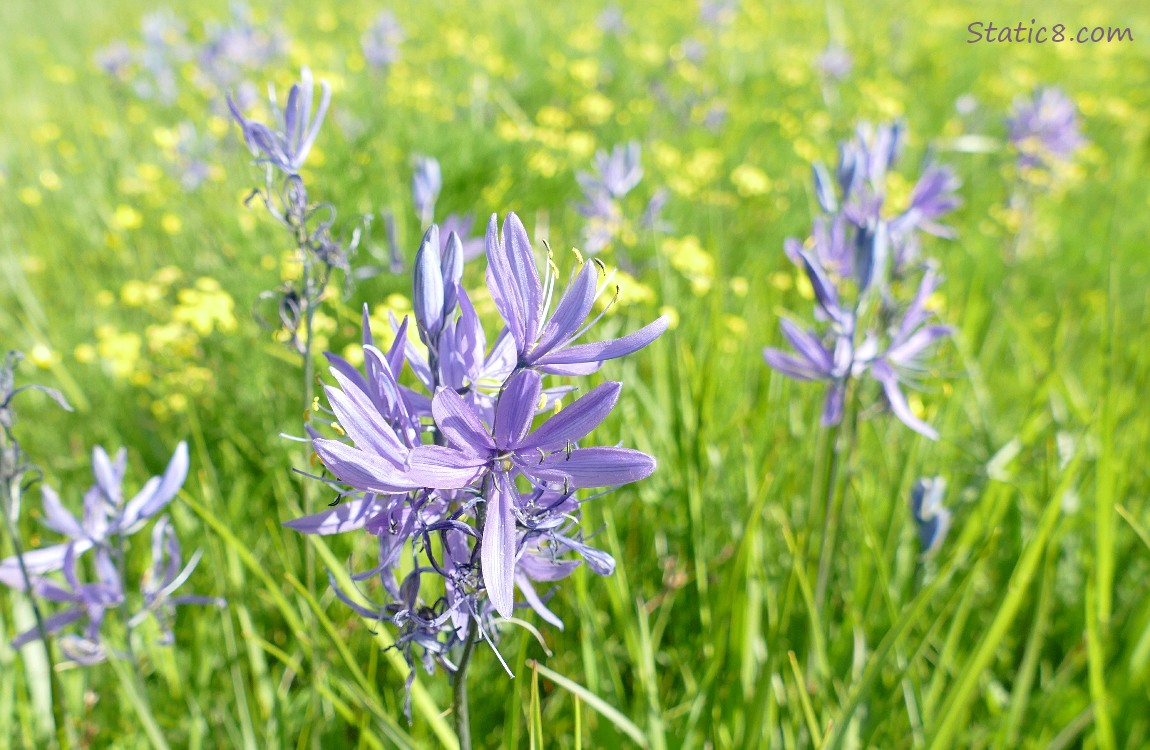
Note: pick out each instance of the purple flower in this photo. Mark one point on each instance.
(165, 577)
(835, 63)
(545, 455)
(287, 147)
(426, 182)
(519, 295)
(1044, 128)
(89, 601)
(106, 513)
(616, 173)
(380, 43)
(903, 356)
(931, 517)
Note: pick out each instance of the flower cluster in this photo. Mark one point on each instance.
(282, 149)
(468, 502)
(109, 518)
(858, 259)
(1044, 129)
(222, 56)
(616, 174)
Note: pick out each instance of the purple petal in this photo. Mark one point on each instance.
(572, 310)
(362, 470)
(154, 497)
(364, 425)
(503, 285)
(578, 370)
(515, 409)
(52, 624)
(906, 351)
(39, 561)
(592, 467)
(604, 350)
(535, 602)
(808, 346)
(56, 517)
(460, 424)
(498, 554)
(791, 366)
(834, 403)
(521, 260)
(886, 375)
(539, 568)
(440, 468)
(346, 516)
(574, 422)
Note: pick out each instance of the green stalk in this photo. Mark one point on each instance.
(841, 447)
(54, 691)
(11, 495)
(459, 704)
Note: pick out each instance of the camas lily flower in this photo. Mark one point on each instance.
(547, 345)
(545, 455)
(931, 517)
(89, 601)
(287, 147)
(165, 577)
(1044, 128)
(904, 354)
(106, 514)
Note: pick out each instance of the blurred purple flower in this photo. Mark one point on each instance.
(931, 517)
(106, 513)
(1044, 129)
(835, 63)
(426, 182)
(164, 578)
(380, 42)
(287, 147)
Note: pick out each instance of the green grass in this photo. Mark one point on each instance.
(1029, 628)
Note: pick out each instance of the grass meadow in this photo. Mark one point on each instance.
(137, 294)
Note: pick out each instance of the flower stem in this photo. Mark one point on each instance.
(12, 491)
(841, 446)
(459, 698)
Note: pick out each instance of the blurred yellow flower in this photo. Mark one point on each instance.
(205, 308)
(688, 257)
(750, 180)
(50, 180)
(43, 357)
(126, 217)
(29, 196)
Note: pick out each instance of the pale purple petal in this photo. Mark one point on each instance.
(498, 554)
(569, 315)
(535, 602)
(603, 350)
(346, 516)
(460, 424)
(889, 379)
(592, 467)
(440, 468)
(56, 517)
(574, 422)
(362, 470)
(516, 409)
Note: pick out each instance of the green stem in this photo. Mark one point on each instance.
(459, 693)
(55, 694)
(842, 448)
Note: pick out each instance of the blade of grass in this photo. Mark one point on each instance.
(604, 709)
(944, 735)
